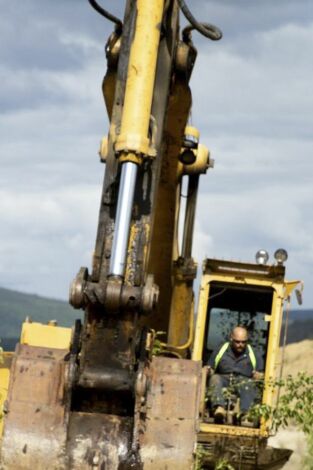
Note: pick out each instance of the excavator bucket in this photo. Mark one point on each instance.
(42, 432)
(35, 428)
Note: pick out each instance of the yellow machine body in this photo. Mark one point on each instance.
(46, 336)
(5, 364)
(97, 396)
(32, 334)
(219, 278)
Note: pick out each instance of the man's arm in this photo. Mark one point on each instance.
(211, 361)
(258, 374)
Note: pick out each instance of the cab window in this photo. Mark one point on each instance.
(232, 305)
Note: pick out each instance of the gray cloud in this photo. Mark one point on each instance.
(241, 18)
(265, 94)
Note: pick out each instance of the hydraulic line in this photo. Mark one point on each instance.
(107, 15)
(208, 30)
(133, 142)
(190, 215)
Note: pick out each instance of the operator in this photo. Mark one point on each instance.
(235, 362)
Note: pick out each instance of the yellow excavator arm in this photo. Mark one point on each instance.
(101, 402)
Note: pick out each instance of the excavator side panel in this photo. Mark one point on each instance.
(35, 421)
(5, 364)
(171, 417)
(40, 430)
(98, 441)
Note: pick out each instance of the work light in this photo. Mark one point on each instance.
(281, 255)
(261, 257)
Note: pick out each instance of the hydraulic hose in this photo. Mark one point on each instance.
(107, 15)
(208, 30)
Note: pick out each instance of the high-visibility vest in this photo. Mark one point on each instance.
(221, 352)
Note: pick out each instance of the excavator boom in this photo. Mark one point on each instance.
(99, 399)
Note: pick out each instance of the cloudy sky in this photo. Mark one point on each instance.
(253, 103)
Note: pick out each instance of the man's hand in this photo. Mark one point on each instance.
(258, 375)
(209, 370)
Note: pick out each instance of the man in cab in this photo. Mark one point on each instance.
(234, 364)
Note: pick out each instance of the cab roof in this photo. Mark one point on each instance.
(236, 268)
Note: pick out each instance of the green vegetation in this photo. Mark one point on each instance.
(202, 454)
(223, 464)
(295, 406)
(157, 344)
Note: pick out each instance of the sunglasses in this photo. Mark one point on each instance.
(239, 341)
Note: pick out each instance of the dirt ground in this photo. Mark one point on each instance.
(291, 438)
(297, 358)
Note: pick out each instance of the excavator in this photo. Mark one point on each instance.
(109, 393)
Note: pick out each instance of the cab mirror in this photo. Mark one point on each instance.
(299, 296)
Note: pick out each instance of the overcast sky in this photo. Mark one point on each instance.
(253, 103)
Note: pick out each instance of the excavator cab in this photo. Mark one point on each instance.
(251, 295)
(231, 305)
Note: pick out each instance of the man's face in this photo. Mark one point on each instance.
(239, 339)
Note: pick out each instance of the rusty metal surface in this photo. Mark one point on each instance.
(171, 414)
(35, 423)
(242, 452)
(41, 434)
(254, 270)
(272, 458)
(98, 441)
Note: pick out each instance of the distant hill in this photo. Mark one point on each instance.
(16, 306)
(301, 314)
(300, 325)
(299, 330)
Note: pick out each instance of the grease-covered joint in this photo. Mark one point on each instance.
(202, 161)
(188, 153)
(113, 294)
(132, 148)
(136, 148)
(107, 379)
(132, 157)
(141, 385)
(103, 150)
(191, 137)
(185, 269)
(77, 287)
(112, 49)
(194, 157)
(150, 295)
(185, 58)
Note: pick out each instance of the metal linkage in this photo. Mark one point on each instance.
(113, 294)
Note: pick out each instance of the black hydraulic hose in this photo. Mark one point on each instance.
(107, 15)
(208, 30)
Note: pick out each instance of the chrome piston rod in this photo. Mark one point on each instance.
(123, 217)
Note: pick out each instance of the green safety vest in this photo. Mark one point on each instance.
(223, 350)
